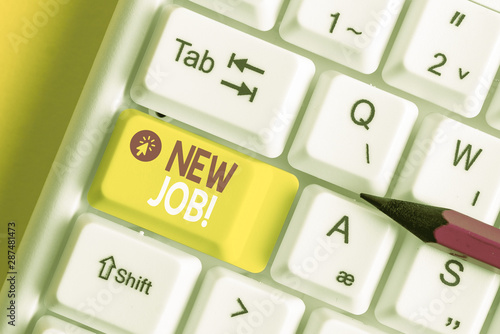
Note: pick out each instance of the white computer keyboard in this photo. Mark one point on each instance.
(209, 179)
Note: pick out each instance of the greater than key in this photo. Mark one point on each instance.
(193, 191)
(446, 227)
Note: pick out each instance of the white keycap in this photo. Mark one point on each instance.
(430, 291)
(493, 112)
(244, 90)
(353, 134)
(52, 325)
(454, 166)
(335, 249)
(114, 279)
(260, 14)
(447, 52)
(353, 33)
(325, 321)
(232, 303)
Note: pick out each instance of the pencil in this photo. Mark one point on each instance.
(446, 227)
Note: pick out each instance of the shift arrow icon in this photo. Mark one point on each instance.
(243, 64)
(242, 89)
(107, 265)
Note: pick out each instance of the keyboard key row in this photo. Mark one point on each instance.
(341, 139)
(198, 193)
(258, 320)
(192, 190)
(111, 278)
(263, 88)
(263, 317)
(114, 279)
(429, 58)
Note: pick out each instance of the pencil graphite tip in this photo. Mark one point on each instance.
(419, 219)
(376, 201)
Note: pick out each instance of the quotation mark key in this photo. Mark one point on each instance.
(458, 16)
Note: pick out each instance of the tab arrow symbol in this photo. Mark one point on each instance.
(243, 309)
(242, 90)
(241, 64)
(107, 266)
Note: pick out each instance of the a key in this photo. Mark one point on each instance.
(260, 14)
(454, 166)
(192, 190)
(244, 90)
(111, 278)
(334, 249)
(48, 324)
(432, 55)
(353, 134)
(430, 291)
(326, 321)
(353, 33)
(232, 303)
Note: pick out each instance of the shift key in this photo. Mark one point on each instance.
(193, 191)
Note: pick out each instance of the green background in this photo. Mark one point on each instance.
(47, 49)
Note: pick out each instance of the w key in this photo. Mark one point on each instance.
(453, 165)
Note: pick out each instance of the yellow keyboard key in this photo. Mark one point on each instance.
(191, 190)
